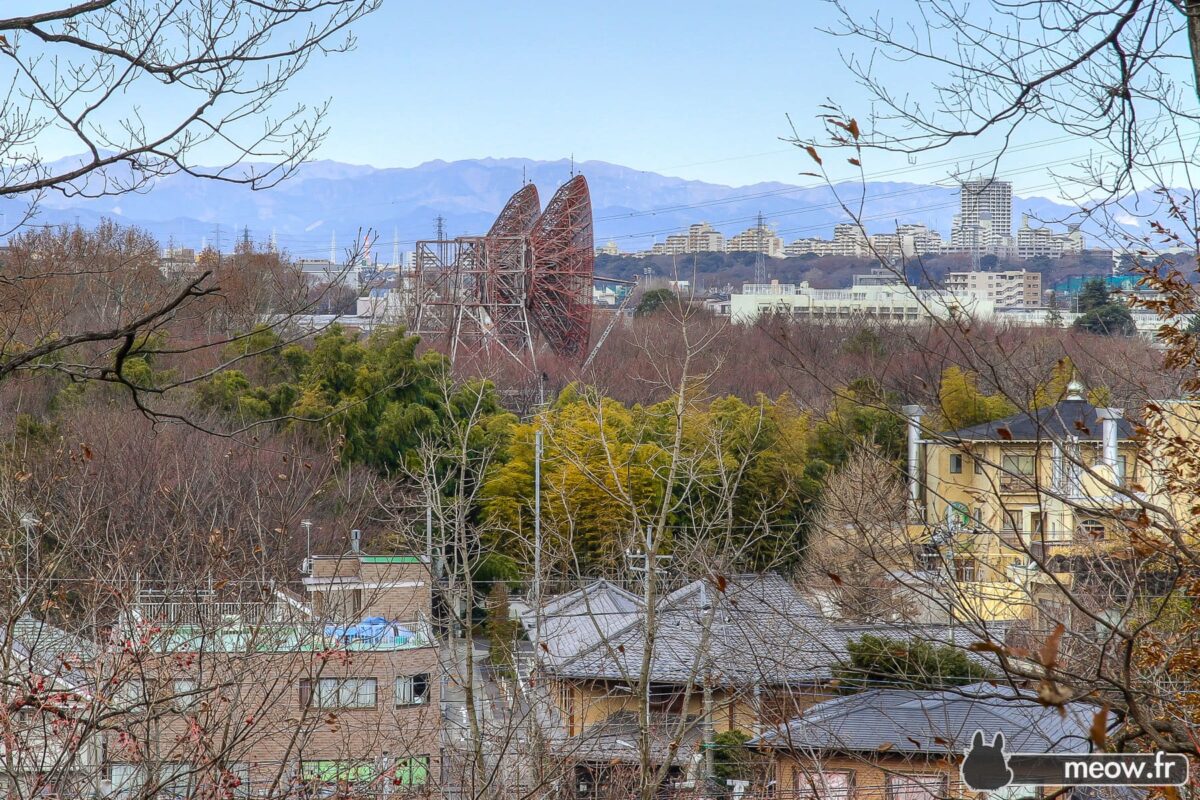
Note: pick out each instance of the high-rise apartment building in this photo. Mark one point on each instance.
(984, 221)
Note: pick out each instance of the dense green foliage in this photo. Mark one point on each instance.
(375, 395)
(862, 414)
(1093, 294)
(961, 403)
(655, 300)
(605, 464)
(1110, 319)
(877, 662)
(1100, 314)
(733, 759)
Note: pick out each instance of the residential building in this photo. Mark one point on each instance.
(609, 248)
(992, 501)
(339, 688)
(703, 239)
(907, 241)
(759, 239)
(738, 655)
(850, 240)
(1006, 289)
(674, 245)
(1042, 242)
(886, 744)
(321, 271)
(984, 221)
(873, 296)
(809, 246)
(177, 261)
(699, 238)
(49, 702)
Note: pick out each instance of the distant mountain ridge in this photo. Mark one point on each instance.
(631, 207)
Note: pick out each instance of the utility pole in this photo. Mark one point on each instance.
(537, 519)
(429, 537)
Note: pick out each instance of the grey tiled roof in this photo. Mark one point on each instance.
(1069, 418)
(577, 620)
(908, 721)
(41, 647)
(761, 631)
(617, 739)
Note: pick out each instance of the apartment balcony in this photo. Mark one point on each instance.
(1018, 484)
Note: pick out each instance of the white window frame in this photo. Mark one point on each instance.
(405, 690)
(347, 693)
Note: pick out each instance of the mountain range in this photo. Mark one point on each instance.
(329, 200)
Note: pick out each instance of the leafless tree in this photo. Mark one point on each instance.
(82, 76)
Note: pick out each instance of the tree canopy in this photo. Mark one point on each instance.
(878, 662)
(376, 395)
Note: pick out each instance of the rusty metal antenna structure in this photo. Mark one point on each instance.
(527, 281)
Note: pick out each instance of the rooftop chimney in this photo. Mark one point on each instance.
(1109, 417)
(913, 413)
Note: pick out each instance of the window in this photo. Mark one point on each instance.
(956, 463)
(126, 779)
(977, 465)
(132, 692)
(822, 785)
(1090, 530)
(412, 771)
(964, 569)
(412, 690)
(916, 787)
(183, 693)
(339, 693)
(1017, 465)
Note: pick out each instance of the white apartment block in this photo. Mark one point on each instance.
(908, 241)
(759, 239)
(700, 238)
(703, 239)
(1009, 289)
(1042, 242)
(886, 302)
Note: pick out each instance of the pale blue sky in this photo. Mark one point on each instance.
(698, 90)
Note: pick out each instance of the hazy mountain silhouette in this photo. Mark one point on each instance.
(327, 197)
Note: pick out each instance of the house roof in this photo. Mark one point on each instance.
(617, 739)
(935, 722)
(758, 630)
(41, 647)
(575, 621)
(1071, 417)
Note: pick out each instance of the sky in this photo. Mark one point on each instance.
(700, 91)
(696, 90)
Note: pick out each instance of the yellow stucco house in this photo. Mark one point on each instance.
(997, 509)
